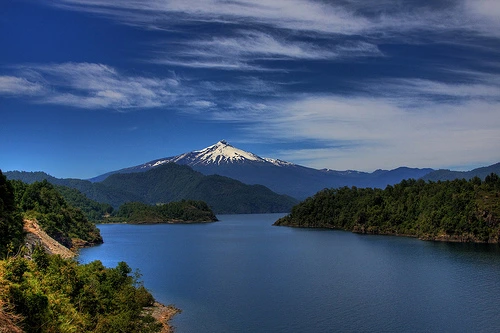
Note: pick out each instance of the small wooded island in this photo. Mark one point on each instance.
(184, 211)
(456, 211)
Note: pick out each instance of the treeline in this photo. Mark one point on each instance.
(11, 221)
(40, 200)
(181, 211)
(93, 210)
(168, 183)
(457, 210)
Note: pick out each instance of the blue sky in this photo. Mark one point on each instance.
(90, 86)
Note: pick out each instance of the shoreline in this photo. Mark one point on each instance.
(443, 238)
(164, 314)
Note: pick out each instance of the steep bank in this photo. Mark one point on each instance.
(36, 236)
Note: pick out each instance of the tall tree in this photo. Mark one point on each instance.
(11, 223)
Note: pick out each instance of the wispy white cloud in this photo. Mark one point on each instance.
(394, 122)
(258, 30)
(420, 90)
(352, 17)
(484, 14)
(209, 62)
(369, 133)
(202, 104)
(14, 86)
(289, 14)
(254, 43)
(87, 85)
(242, 52)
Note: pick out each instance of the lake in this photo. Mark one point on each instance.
(244, 275)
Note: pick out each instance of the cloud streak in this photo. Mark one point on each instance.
(245, 51)
(90, 86)
(15, 86)
(365, 133)
(350, 17)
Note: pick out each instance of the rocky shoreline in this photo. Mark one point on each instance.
(433, 238)
(164, 313)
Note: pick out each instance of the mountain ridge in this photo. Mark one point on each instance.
(280, 176)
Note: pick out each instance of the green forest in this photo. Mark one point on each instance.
(458, 210)
(183, 211)
(44, 293)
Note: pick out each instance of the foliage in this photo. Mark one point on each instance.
(172, 182)
(41, 201)
(93, 191)
(181, 211)
(56, 295)
(456, 210)
(11, 223)
(51, 294)
(93, 210)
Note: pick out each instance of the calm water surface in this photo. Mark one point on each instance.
(243, 275)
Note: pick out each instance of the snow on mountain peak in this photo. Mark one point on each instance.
(277, 162)
(220, 153)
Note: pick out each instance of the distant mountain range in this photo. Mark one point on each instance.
(232, 180)
(450, 175)
(282, 177)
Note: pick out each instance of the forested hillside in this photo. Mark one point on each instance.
(457, 210)
(93, 210)
(172, 182)
(167, 183)
(42, 293)
(42, 202)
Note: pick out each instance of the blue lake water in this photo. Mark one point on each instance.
(244, 275)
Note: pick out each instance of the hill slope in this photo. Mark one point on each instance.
(450, 175)
(172, 182)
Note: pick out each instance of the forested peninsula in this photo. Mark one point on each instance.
(456, 211)
(41, 292)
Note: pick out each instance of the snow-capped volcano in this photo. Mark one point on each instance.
(221, 153)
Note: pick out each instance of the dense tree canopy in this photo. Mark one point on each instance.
(456, 210)
(63, 222)
(93, 210)
(11, 222)
(180, 211)
(56, 295)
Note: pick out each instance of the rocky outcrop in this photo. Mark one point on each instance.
(163, 313)
(36, 236)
